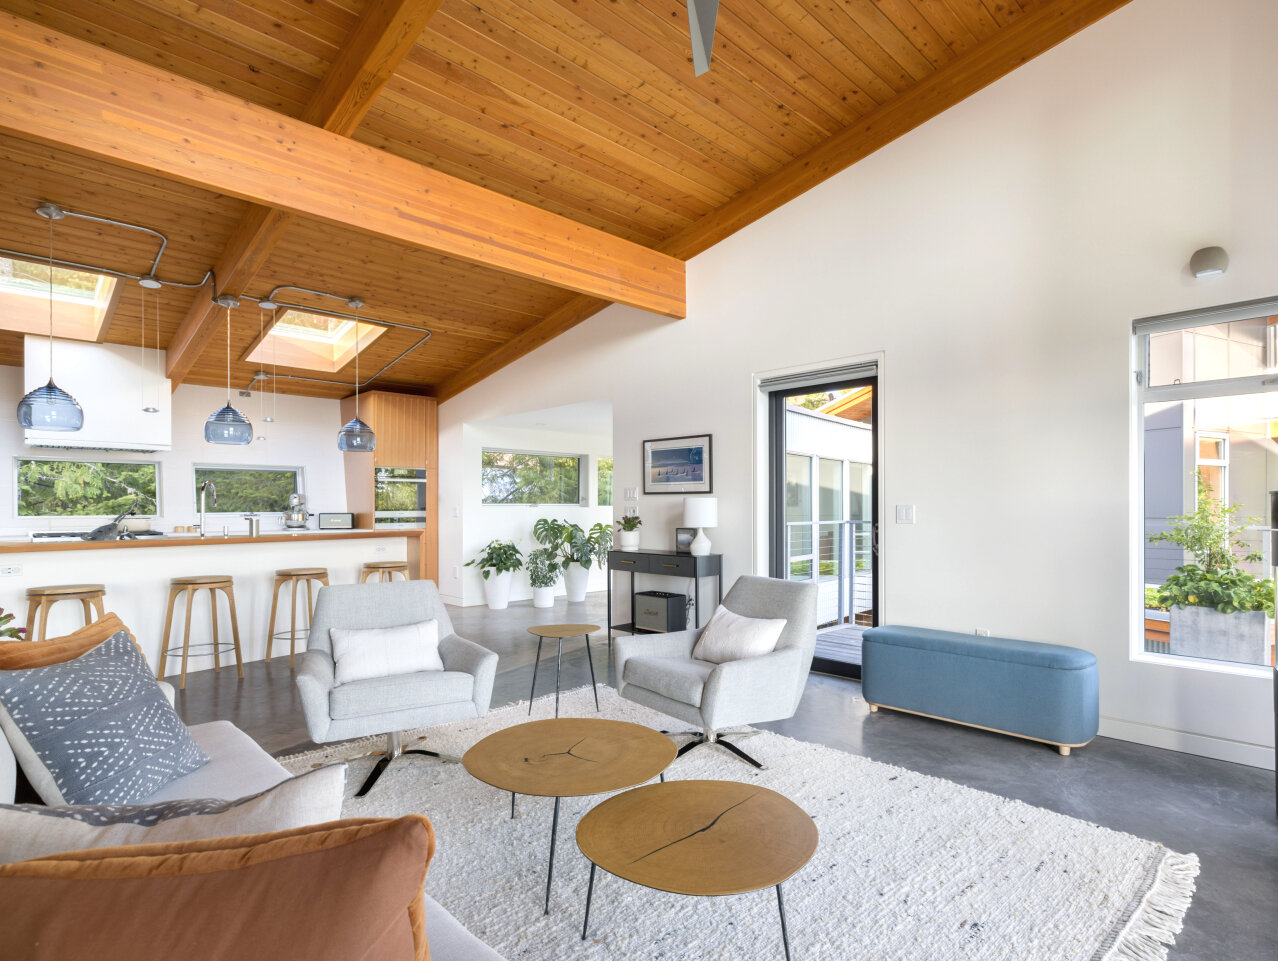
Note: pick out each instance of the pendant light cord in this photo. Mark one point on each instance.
(357, 363)
(51, 298)
(228, 356)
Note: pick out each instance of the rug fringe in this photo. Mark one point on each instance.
(1153, 926)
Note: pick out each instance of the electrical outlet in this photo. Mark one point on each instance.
(982, 632)
(11, 570)
(456, 572)
(380, 549)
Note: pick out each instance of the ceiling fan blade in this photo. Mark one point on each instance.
(701, 17)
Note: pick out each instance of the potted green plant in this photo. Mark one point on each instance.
(579, 551)
(543, 573)
(628, 532)
(1218, 609)
(7, 632)
(497, 564)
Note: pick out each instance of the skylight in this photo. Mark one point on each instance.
(312, 341)
(82, 300)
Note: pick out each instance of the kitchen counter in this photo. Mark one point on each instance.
(27, 546)
(136, 576)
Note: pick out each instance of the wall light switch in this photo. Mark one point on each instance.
(631, 493)
(457, 512)
(456, 572)
(905, 513)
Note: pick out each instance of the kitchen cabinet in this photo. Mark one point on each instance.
(407, 431)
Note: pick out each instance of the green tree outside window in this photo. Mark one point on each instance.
(605, 481)
(511, 477)
(247, 490)
(65, 488)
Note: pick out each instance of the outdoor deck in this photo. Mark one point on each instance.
(840, 643)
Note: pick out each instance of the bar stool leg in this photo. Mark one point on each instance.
(33, 608)
(44, 618)
(217, 657)
(97, 603)
(235, 630)
(88, 611)
(270, 623)
(292, 625)
(310, 609)
(164, 638)
(186, 635)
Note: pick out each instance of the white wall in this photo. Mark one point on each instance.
(304, 435)
(481, 523)
(993, 260)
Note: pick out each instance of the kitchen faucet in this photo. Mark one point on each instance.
(208, 487)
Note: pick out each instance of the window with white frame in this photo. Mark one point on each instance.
(527, 477)
(1207, 410)
(248, 490)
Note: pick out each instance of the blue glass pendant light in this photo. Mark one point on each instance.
(356, 435)
(50, 407)
(228, 425)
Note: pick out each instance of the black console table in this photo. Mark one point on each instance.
(664, 564)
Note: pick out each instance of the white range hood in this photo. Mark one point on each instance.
(112, 383)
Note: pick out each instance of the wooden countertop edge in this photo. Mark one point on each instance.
(215, 540)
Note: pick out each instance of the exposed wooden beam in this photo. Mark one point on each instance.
(386, 32)
(1008, 49)
(58, 90)
(1016, 44)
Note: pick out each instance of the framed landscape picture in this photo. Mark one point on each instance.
(678, 465)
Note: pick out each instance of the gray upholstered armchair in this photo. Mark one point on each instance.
(388, 705)
(658, 670)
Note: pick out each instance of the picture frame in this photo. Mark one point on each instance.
(683, 539)
(678, 465)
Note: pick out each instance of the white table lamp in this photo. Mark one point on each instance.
(700, 512)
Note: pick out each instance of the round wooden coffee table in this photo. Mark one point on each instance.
(700, 838)
(559, 632)
(568, 757)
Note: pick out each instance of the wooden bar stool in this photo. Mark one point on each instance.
(384, 570)
(190, 586)
(41, 599)
(293, 576)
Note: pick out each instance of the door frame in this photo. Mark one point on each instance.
(777, 560)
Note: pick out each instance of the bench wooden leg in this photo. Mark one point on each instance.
(1064, 749)
(873, 708)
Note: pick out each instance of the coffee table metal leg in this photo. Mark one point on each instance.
(785, 937)
(590, 890)
(558, 665)
(536, 664)
(550, 873)
(591, 661)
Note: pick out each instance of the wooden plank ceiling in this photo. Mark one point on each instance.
(587, 109)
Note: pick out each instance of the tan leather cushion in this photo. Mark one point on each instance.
(18, 655)
(344, 891)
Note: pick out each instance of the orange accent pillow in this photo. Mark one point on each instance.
(348, 890)
(18, 655)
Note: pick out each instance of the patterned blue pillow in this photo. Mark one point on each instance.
(95, 730)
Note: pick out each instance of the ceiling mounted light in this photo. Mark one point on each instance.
(50, 407)
(356, 436)
(267, 304)
(228, 425)
(1209, 262)
(150, 282)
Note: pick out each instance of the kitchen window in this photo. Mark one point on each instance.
(247, 490)
(82, 488)
(522, 477)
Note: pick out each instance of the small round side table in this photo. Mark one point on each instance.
(559, 632)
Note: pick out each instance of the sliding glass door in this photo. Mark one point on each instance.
(824, 508)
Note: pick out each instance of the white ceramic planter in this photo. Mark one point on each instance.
(629, 540)
(1204, 632)
(544, 596)
(497, 590)
(576, 578)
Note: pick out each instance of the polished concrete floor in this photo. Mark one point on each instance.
(1222, 812)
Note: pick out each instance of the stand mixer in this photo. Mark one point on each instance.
(295, 515)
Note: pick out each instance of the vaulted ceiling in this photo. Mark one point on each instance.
(586, 110)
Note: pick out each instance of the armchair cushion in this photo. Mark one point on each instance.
(381, 695)
(677, 678)
(384, 651)
(96, 729)
(730, 637)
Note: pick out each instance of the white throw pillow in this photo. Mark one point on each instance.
(384, 651)
(731, 637)
(34, 831)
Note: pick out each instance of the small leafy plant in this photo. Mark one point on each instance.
(1213, 534)
(572, 543)
(543, 567)
(12, 633)
(498, 557)
(629, 522)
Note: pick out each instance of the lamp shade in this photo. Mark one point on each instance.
(701, 512)
(50, 408)
(228, 426)
(356, 436)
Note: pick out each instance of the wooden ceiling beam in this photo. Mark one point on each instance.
(62, 91)
(382, 39)
(1021, 41)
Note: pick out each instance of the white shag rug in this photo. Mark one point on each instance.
(908, 867)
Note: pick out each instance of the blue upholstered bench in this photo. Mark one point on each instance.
(1043, 692)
